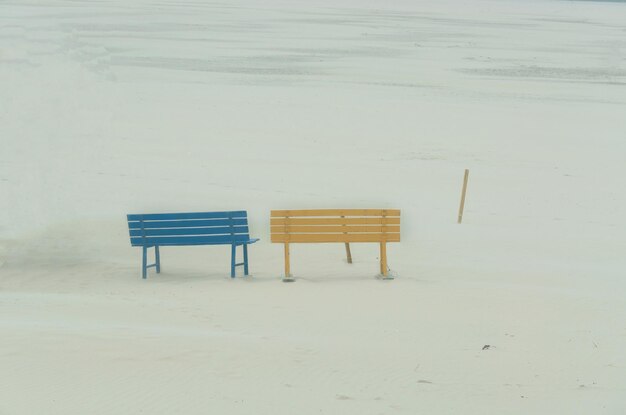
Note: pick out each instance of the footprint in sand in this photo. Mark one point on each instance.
(343, 398)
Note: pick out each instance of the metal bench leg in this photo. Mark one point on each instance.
(233, 254)
(157, 256)
(245, 259)
(144, 263)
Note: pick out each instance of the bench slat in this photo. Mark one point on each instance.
(321, 238)
(188, 223)
(189, 240)
(188, 215)
(335, 212)
(334, 221)
(190, 231)
(335, 229)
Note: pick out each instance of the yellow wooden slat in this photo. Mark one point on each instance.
(335, 212)
(334, 221)
(321, 238)
(335, 229)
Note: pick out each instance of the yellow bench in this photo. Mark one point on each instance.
(336, 225)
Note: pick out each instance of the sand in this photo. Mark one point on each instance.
(112, 107)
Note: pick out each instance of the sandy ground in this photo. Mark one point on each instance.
(111, 107)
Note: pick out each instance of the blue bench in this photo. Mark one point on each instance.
(182, 229)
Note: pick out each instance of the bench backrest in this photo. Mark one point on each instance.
(335, 225)
(197, 228)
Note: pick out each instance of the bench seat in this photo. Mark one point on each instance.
(336, 225)
(193, 228)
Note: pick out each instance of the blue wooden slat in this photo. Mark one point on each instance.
(189, 215)
(188, 240)
(190, 231)
(188, 223)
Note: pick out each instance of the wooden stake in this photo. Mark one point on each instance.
(462, 205)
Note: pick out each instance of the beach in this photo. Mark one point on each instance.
(110, 108)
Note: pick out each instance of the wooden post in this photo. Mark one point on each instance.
(287, 276)
(383, 259)
(462, 205)
(144, 263)
(383, 246)
(233, 259)
(348, 253)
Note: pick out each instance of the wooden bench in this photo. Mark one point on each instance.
(182, 229)
(336, 225)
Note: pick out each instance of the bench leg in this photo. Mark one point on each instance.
(287, 277)
(233, 254)
(245, 259)
(348, 253)
(287, 264)
(383, 259)
(157, 256)
(144, 263)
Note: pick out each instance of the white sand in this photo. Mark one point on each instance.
(108, 108)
